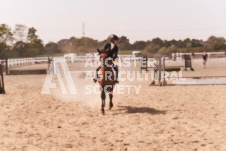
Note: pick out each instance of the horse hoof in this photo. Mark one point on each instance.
(102, 111)
(111, 106)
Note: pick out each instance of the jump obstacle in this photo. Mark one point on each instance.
(145, 66)
(160, 69)
(188, 64)
(179, 55)
(200, 82)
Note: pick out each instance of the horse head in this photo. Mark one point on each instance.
(102, 53)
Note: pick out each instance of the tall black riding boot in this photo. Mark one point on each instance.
(116, 76)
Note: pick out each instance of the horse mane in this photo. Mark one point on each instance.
(102, 51)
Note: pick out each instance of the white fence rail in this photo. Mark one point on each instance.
(84, 58)
(36, 60)
(41, 59)
(24, 61)
(18, 62)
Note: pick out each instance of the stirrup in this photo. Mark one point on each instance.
(116, 81)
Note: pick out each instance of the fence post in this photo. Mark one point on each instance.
(2, 88)
(160, 70)
(6, 66)
(173, 57)
(163, 68)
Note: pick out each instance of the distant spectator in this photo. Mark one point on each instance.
(205, 56)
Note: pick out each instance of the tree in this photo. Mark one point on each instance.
(20, 32)
(157, 41)
(139, 45)
(6, 35)
(20, 49)
(152, 49)
(35, 48)
(31, 36)
(83, 45)
(6, 39)
(196, 43)
(216, 43)
(186, 43)
(167, 51)
(51, 48)
(35, 45)
(62, 44)
(162, 51)
(124, 43)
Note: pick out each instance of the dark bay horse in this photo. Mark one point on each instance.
(106, 77)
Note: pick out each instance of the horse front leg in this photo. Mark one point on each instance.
(103, 96)
(111, 103)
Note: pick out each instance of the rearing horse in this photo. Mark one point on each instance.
(106, 77)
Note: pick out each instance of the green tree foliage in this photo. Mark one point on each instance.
(4, 51)
(197, 43)
(152, 49)
(6, 35)
(65, 46)
(139, 45)
(157, 41)
(6, 39)
(216, 43)
(124, 43)
(186, 43)
(20, 49)
(51, 48)
(154, 46)
(168, 51)
(30, 47)
(35, 45)
(35, 48)
(24, 42)
(31, 36)
(83, 45)
(19, 32)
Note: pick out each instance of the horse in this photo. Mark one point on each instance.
(106, 78)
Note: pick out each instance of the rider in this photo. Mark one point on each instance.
(112, 52)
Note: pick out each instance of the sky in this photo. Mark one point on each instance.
(136, 19)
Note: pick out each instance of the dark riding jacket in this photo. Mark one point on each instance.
(112, 53)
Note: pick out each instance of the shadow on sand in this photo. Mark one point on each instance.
(129, 109)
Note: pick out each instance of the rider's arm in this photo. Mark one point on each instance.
(115, 54)
(107, 46)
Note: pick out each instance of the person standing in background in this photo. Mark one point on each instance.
(205, 56)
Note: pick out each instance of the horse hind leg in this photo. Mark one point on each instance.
(103, 97)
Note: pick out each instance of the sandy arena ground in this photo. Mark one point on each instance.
(158, 118)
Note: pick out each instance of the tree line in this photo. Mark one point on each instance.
(23, 41)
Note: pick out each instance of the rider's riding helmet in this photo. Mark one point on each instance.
(113, 38)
